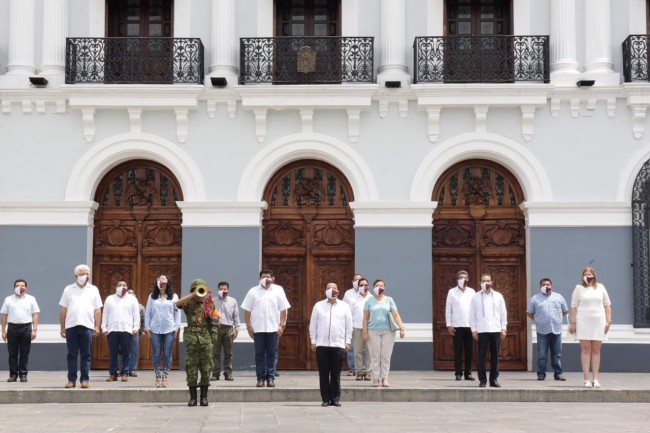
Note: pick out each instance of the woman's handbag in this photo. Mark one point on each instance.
(393, 324)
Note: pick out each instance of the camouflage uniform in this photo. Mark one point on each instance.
(198, 346)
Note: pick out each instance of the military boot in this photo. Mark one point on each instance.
(204, 395)
(192, 401)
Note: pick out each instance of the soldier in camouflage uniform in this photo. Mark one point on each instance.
(198, 341)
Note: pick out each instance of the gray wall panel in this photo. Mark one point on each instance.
(562, 252)
(222, 254)
(46, 258)
(402, 257)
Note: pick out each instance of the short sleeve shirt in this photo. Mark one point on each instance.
(265, 306)
(81, 304)
(19, 310)
(378, 313)
(548, 311)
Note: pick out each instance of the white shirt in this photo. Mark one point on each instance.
(330, 324)
(19, 310)
(351, 296)
(121, 314)
(487, 313)
(357, 311)
(265, 306)
(457, 307)
(81, 304)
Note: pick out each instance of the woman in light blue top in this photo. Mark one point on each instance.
(162, 320)
(377, 331)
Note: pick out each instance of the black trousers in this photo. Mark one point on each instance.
(19, 342)
(491, 340)
(463, 342)
(329, 361)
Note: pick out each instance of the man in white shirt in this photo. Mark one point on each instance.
(19, 325)
(330, 330)
(80, 318)
(351, 296)
(120, 322)
(488, 320)
(265, 310)
(459, 299)
(361, 352)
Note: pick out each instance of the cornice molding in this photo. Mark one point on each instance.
(393, 214)
(222, 214)
(47, 213)
(574, 214)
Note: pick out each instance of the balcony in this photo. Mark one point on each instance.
(481, 59)
(134, 61)
(306, 60)
(635, 58)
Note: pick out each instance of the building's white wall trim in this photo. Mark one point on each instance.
(618, 334)
(96, 19)
(630, 172)
(393, 214)
(350, 18)
(265, 17)
(435, 17)
(182, 19)
(222, 214)
(525, 166)
(595, 214)
(99, 159)
(637, 17)
(294, 147)
(521, 17)
(47, 213)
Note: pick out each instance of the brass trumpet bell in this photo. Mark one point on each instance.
(201, 290)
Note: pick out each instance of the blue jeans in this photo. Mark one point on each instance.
(119, 343)
(351, 358)
(135, 353)
(79, 341)
(544, 343)
(266, 354)
(162, 343)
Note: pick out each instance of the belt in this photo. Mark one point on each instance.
(224, 326)
(19, 325)
(192, 329)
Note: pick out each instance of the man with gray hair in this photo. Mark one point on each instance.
(80, 317)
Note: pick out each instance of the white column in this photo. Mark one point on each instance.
(392, 65)
(223, 47)
(598, 43)
(21, 37)
(55, 29)
(564, 63)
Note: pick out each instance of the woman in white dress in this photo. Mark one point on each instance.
(591, 317)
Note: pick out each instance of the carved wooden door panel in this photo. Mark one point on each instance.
(137, 237)
(308, 240)
(478, 227)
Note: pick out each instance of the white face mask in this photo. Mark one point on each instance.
(546, 289)
(82, 279)
(355, 284)
(588, 279)
(162, 284)
(120, 291)
(332, 293)
(461, 282)
(223, 293)
(20, 290)
(363, 290)
(266, 282)
(485, 286)
(378, 290)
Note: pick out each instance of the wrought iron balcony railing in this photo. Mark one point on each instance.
(635, 58)
(481, 59)
(306, 60)
(134, 60)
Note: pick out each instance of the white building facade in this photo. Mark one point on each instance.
(403, 140)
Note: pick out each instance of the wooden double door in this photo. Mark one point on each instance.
(479, 227)
(308, 241)
(137, 237)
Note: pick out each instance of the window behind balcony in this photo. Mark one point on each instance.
(140, 18)
(478, 17)
(307, 18)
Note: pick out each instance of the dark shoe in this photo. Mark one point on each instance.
(12, 378)
(70, 384)
(260, 383)
(469, 377)
(23, 378)
(270, 383)
(228, 377)
(192, 401)
(560, 377)
(481, 384)
(215, 376)
(541, 377)
(111, 378)
(85, 385)
(459, 376)
(204, 396)
(133, 374)
(325, 403)
(494, 384)
(367, 377)
(336, 403)
(359, 376)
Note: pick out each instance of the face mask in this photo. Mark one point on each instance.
(355, 284)
(546, 289)
(82, 279)
(461, 282)
(120, 291)
(588, 279)
(20, 290)
(332, 293)
(266, 282)
(363, 290)
(223, 293)
(161, 284)
(378, 290)
(486, 286)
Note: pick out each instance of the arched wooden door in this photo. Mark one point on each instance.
(137, 237)
(478, 226)
(308, 240)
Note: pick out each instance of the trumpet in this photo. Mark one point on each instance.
(201, 290)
